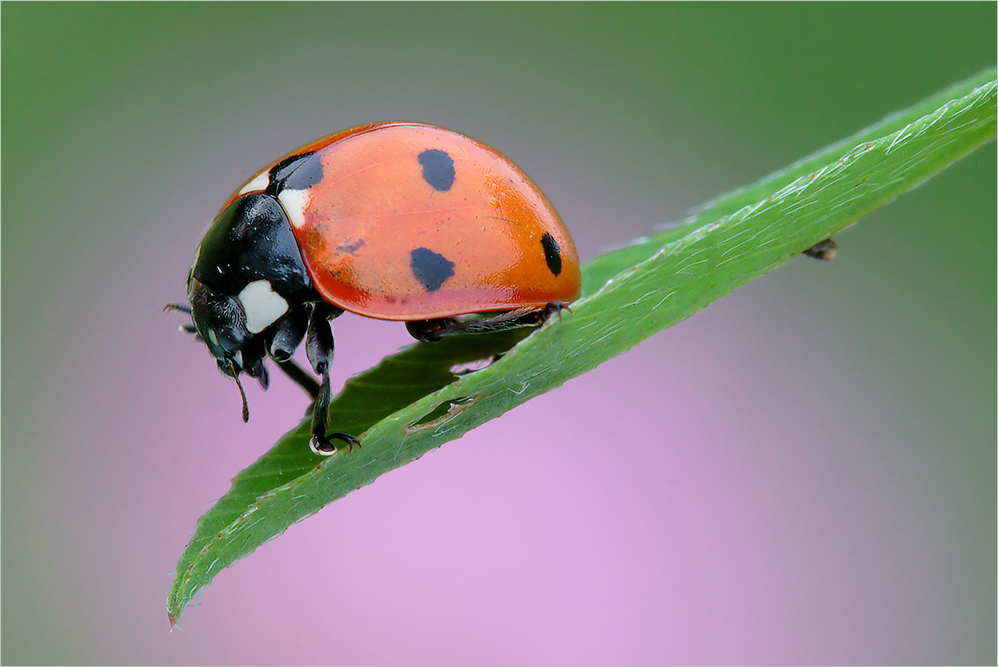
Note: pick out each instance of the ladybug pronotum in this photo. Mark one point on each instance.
(394, 221)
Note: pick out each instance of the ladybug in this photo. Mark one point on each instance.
(394, 221)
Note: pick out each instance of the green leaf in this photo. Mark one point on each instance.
(428, 394)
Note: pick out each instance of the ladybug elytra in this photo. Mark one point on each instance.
(395, 221)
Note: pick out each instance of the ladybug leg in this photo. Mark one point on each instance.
(187, 327)
(824, 250)
(300, 377)
(283, 339)
(428, 331)
(180, 307)
(319, 349)
(431, 331)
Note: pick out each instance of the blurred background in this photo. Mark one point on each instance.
(802, 473)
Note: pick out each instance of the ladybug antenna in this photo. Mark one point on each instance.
(185, 327)
(235, 376)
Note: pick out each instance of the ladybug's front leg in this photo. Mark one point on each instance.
(319, 349)
(283, 338)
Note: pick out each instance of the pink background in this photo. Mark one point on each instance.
(802, 473)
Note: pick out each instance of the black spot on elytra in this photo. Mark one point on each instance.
(552, 253)
(298, 172)
(438, 169)
(430, 268)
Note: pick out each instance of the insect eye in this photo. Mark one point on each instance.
(220, 321)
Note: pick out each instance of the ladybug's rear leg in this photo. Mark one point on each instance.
(824, 250)
(430, 331)
(319, 349)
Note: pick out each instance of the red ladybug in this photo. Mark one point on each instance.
(395, 221)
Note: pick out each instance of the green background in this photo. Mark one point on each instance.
(126, 125)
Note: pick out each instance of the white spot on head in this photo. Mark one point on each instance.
(262, 305)
(256, 184)
(295, 202)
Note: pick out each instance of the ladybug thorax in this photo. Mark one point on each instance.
(247, 275)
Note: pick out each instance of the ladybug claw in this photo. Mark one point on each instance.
(347, 438)
(323, 446)
(555, 308)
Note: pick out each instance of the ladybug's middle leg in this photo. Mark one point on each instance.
(300, 377)
(430, 331)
